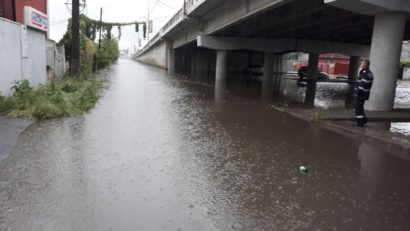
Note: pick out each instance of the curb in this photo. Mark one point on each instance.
(10, 131)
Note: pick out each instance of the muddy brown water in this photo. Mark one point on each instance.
(157, 153)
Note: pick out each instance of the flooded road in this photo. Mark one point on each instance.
(158, 153)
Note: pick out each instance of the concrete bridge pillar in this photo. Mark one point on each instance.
(220, 77)
(354, 68)
(171, 60)
(278, 69)
(268, 74)
(388, 33)
(310, 94)
(313, 69)
(221, 69)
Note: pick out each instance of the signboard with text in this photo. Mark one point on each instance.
(35, 19)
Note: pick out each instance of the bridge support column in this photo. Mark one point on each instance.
(310, 94)
(313, 69)
(171, 60)
(354, 68)
(268, 75)
(220, 77)
(221, 66)
(278, 69)
(385, 52)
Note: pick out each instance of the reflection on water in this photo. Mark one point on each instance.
(402, 99)
(156, 155)
(326, 95)
(401, 128)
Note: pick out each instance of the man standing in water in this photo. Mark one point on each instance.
(363, 86)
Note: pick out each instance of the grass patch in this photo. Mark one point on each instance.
(316, 115)
(60, 98)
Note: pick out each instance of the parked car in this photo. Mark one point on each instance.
(303, 73)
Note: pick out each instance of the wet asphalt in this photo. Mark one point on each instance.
(159, 153)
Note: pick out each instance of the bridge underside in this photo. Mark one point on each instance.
(267, 29)
(314, 21)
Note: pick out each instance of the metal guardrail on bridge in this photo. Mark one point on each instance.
(175, 20)
(191, 3)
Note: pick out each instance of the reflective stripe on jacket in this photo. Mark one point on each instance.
(364, 84)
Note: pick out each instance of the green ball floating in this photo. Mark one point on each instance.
(303, 169)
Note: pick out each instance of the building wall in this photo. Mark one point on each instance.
(34, 66)
(23, 55)
(10, 55)
(334, 64)
(40, 5)
(7, 9)
(9, 6)
(55, 60)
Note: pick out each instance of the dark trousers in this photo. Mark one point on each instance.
(359, 109)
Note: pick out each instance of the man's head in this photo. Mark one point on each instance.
(365, 64)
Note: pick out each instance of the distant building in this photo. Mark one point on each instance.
(333, 64)
(338, 64)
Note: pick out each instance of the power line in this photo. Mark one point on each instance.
(58, 22)
(161, 18)
(153, 8)
(166, 5)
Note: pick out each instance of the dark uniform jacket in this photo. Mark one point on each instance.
(364, 84)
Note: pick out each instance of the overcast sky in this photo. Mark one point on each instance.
(115, 11)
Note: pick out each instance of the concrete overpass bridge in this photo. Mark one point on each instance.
(219, 36)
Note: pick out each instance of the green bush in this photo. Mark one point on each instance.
(88, 50)
(60, 98)
(7, 104)
(405, 63)
(108, 53)
(90, 58)
(316, 115)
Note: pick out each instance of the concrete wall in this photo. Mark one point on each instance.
(23, 55)
(10, 55)
(156, 56)
(55, 57)
(34, 66)
(406, 74)
(405, 52)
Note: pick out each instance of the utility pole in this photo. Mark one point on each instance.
(99, 40)
(75, 42)
(147, 29)
(184, 8)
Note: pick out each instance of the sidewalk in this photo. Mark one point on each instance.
(384, 139)
(10, 130)
(376, 132)
(399, 115)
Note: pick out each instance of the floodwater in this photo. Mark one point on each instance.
(159, 153)
(324, 95)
